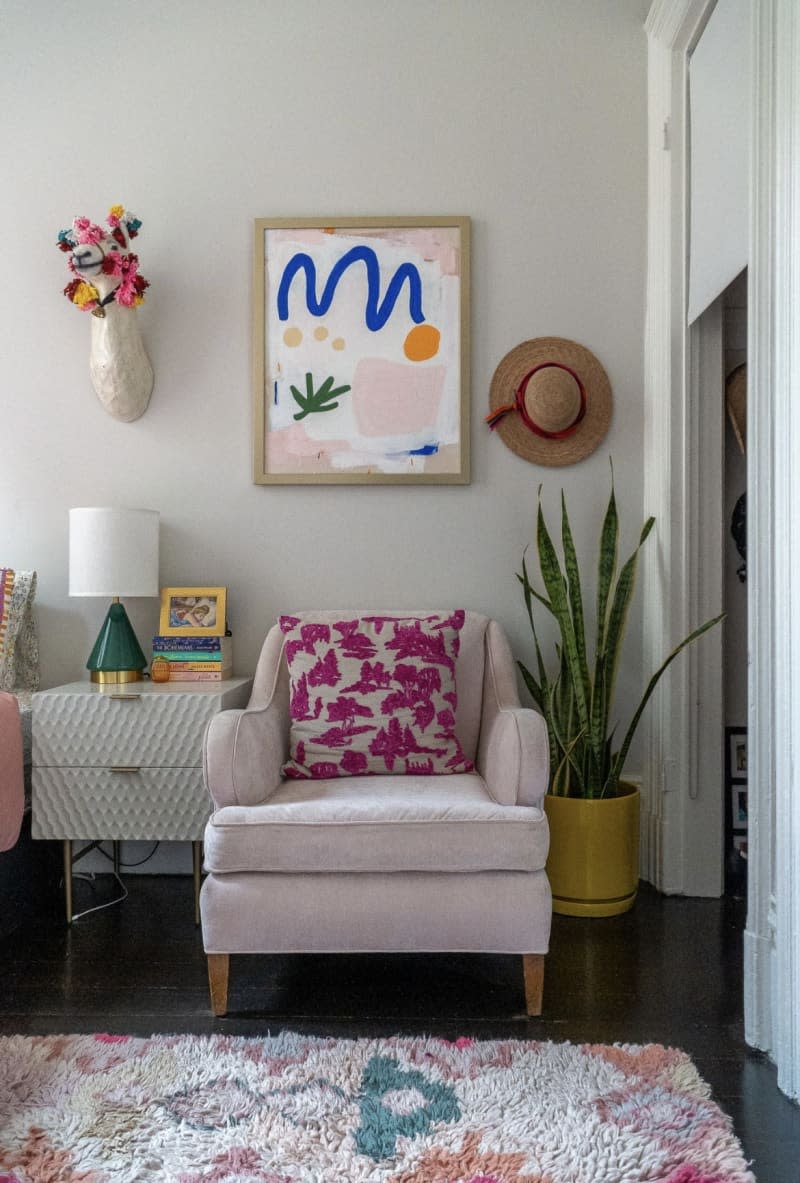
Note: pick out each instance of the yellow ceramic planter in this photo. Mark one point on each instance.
(593, 864)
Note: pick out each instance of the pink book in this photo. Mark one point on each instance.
(199, 675)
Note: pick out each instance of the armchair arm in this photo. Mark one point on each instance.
(513, 752)
(12, 794)
(243, 750)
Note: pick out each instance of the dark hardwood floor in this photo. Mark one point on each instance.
(669, 972)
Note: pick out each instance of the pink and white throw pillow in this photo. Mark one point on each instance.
(373, 694)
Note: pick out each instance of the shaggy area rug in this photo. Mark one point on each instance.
(222, 1109)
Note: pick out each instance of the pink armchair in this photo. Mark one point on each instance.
(380, 863)
(12, 785)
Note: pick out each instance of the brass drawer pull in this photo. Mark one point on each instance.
(125, 697)
(125, 768)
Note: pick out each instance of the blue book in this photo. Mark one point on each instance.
(191, 644)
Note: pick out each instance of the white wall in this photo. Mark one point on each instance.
(526, 115)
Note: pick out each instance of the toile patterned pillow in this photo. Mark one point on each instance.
(373, 695)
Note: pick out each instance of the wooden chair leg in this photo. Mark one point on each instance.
(218, 967)
(533, 969)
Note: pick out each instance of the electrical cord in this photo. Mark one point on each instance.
(140, 863)
(109, 904)
(90, 876)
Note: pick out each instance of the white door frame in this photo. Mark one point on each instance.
(772, 937)
(683, 800)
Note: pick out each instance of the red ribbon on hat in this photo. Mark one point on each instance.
(494, 417)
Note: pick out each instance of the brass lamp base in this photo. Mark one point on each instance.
(112, 676)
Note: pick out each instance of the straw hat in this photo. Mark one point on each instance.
(550, 401)
(736, 401)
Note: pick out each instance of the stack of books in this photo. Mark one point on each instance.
(196, 659)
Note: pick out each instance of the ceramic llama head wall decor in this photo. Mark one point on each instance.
(107, 283)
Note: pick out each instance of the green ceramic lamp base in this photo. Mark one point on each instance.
(117, 655)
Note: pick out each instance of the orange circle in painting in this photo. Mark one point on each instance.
(337, 343)
(422, 342)
(292, 337)
(321, 333)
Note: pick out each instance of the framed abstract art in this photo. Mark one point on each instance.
(361, 350)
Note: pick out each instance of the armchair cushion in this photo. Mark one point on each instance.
(384, 824)
(373, 695)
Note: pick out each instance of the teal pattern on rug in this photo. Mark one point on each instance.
(389, 1106)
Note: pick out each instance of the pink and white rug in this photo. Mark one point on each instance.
(222, 1109)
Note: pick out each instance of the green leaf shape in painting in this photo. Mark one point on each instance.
(317, 400)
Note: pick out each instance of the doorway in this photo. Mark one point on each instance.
(772, 934)
(734, 585)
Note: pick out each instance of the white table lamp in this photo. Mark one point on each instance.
(114, 552)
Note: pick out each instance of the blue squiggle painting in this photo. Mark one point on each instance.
(377, 312)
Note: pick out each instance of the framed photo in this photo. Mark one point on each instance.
(737, 752)
(738, 806)
(736, 790)
(193, 611)
(361, 350)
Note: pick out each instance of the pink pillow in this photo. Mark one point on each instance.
(373, 694)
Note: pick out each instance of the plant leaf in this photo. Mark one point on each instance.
(530, 594)
(623, 594)
(606, 567)
(562, 748)
(555, 586)
(533, 686)
(621, 756)
(574, 592)
(570, 742)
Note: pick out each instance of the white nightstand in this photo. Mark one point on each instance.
(124, 762)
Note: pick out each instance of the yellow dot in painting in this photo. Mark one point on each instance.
(292, 337)
(321, 333)
(422, 342)
(337, 343)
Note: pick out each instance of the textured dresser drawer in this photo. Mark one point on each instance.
(152, 803)
(84, 730)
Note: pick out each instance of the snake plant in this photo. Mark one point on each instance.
(578, 701)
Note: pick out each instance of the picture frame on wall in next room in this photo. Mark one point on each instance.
(736, 789)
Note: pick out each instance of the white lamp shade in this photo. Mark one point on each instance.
(113, 552)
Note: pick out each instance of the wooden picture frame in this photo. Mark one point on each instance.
(193, 611)
(361, 350)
